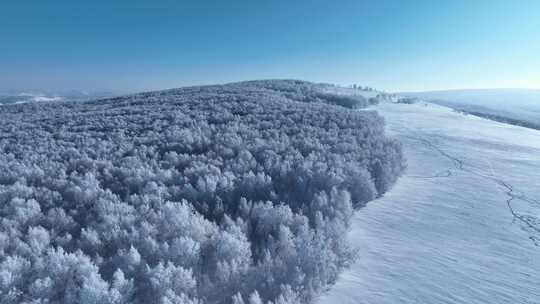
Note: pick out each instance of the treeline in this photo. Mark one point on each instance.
(309, 92)
(219, 194)
(503, 119)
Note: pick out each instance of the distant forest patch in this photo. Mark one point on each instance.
(501, 118)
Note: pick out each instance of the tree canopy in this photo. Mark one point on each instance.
(240, 193)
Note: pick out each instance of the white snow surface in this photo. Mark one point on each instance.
(463, 223)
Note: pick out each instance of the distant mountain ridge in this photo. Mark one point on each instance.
(17, 97)
(529, 98)
(514, 106)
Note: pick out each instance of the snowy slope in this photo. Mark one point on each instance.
(461, 226)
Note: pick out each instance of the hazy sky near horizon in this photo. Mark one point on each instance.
(392, 45)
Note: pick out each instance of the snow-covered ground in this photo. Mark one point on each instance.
(461, 226)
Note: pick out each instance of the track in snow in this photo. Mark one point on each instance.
(530, 222)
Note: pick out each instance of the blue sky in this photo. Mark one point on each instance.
(393, 45)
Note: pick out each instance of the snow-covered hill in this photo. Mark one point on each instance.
(461, 226)
(232, 193)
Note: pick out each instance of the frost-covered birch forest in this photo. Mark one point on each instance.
(239, 193)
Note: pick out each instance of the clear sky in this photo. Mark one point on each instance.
(391, 45)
